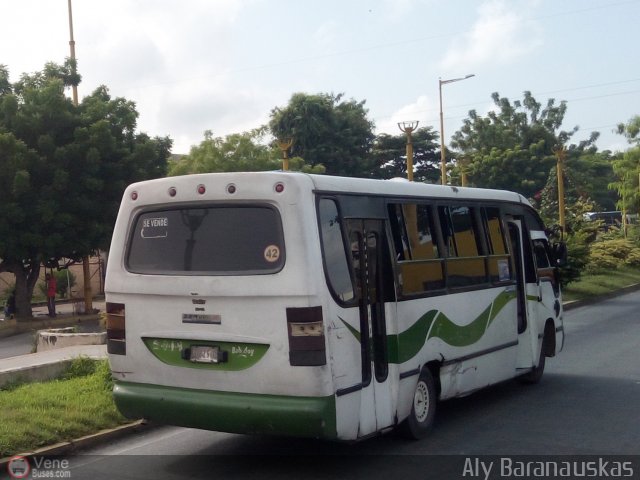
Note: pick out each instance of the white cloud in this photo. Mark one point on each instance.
(500, 34)
(411, 112)
(326, 34)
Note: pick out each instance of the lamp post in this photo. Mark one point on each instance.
(86, 272)
(443, 161)
(284, 146)
(72, 48)
(408, 128)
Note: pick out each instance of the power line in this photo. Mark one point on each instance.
(369, 48)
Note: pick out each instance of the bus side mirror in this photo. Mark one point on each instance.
(560, 254)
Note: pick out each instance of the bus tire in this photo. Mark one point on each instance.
(535, 375)
(423, 407)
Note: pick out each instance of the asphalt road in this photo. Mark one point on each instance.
(586, 404)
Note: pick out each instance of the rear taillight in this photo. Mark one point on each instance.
(116, 338)
(306, 336)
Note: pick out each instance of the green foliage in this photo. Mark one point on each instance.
(631, 130)
(79, 367)
(577, 257)
(512, 148)
(63, 171)
(239, 152)
(627, 176)
(600, 283)
(39, 414)
(612, 254)
(327, 130)
(389, 154)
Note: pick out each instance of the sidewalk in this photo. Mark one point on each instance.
(47, 364)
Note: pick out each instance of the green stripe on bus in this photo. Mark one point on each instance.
(240, 356)
(232, 412)
(435, 324)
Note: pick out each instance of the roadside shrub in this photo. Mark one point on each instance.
(104, 372)
(614, 253)
(80, 367)
(577, 257)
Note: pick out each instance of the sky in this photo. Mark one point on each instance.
(223, 65)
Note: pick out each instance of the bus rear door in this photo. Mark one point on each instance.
(366, 240)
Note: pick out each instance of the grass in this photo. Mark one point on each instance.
(593, 284)
(40, 414)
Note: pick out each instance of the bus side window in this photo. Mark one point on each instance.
(333, 251)
(498, 260)
(420, 267)
(465, 266)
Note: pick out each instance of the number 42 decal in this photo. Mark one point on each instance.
(272, 253)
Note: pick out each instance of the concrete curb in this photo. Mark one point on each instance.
(599, 298)
(88, 441)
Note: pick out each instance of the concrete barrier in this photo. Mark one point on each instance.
(53, 338)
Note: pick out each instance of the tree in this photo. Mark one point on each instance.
(389, 153)
(631, 130)
(63, 169)
(327, 130)
(238, 152)
(627, 168)
(512, 148)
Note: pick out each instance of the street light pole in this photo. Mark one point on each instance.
(443, 161)
(86, 271)
(284, 146)
(72, 48)
(408, 128)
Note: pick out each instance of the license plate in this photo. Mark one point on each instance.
(204, 354)
(201, 318)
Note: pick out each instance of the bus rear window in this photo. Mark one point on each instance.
(212, 240)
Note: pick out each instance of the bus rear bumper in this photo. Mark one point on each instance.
(232, 412)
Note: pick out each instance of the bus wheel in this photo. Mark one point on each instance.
(423, 408)
(535, 375)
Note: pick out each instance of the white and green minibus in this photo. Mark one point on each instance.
(318, 306)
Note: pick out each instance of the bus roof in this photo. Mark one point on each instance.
(322, 183)
(402, 187)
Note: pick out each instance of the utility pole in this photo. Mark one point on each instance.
(72, 48)
(86, 273)
(409, 128)
(561, 153)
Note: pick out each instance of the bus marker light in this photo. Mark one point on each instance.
(134, 196)
(279, 187)
(173, 191)
(201, 189)
(231, 188)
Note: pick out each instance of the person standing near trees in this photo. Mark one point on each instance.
(51, 293)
